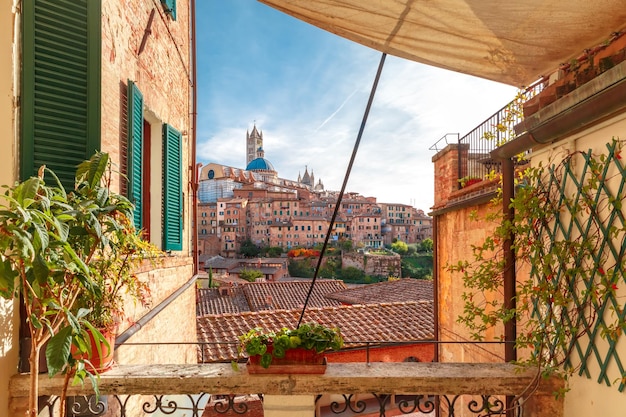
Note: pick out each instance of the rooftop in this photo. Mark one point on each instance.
(376, 323)
(256, 296)
(406, 289)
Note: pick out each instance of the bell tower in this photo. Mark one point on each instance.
(254, 145)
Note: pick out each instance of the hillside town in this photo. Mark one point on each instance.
(235, 205)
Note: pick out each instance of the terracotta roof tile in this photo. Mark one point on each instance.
(387, 322)
(406, 289)
(256, 296)
(212, 301)
(290, 294)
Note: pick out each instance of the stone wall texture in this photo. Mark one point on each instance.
(375, 265)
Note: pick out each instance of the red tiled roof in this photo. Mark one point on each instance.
(290, 294)
(256, 296)
(212, 301)
(406, 289)
(387, 322)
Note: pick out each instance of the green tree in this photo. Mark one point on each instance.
(272, 251)
(250, 275)
(300, 268)
(332, 268)
(400, 247)
(248, 249)
(420, 266)
(352, 274)
(426, 245)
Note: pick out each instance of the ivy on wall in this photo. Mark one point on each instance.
(569, 232)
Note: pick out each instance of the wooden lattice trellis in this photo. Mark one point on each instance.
(583, 248)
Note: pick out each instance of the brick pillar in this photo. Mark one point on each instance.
(543, 402)
(447, 171)
(289, 405)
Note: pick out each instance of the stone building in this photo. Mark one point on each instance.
(287, 213)
(569, 123)
(125, 89)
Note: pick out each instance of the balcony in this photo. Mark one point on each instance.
(475, 162)
(365, 389)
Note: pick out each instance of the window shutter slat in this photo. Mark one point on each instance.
(170, 7)
(172, 189)
(135, 150)
(61, 86)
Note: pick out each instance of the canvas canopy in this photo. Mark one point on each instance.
(510, 41)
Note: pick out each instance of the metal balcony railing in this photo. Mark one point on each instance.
(475, 162)
(345, 389)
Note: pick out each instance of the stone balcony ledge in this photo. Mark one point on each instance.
(343, 378)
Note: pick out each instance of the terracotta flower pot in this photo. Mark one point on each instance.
(295, 361)
(104, 362)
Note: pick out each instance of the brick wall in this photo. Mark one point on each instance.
(142, 44)
(457, 231)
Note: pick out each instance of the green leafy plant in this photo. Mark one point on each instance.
(116, 248)
(52, 248)
(251, 274)
(564, 233)
(269, 344)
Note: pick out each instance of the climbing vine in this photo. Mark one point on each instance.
(569, 237)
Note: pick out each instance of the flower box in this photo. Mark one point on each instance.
(295, 361)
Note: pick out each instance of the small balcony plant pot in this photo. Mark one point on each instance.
(291, 351)
(101, 358)
(295, 361)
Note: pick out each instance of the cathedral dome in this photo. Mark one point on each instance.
(260, 164)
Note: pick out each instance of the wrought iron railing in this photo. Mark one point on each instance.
(475, 162)
(370, 388)
(382, 389)
(342, 405)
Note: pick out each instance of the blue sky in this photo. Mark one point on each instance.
(306, 90)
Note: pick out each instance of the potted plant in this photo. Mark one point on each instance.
(303, 346)
(469, 180)
(113, 270)
(50, 244)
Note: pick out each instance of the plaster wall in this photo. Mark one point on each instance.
(458, 230)
(587, 395)
(9, 319)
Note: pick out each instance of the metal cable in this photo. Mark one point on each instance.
(345, 182)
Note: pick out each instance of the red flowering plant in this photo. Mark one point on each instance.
(566, 234)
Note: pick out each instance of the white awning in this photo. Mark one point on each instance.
(510, 41)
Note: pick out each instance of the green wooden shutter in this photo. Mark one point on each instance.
(170, 7)
(172, 189)
(60, 85)
(135, 150)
